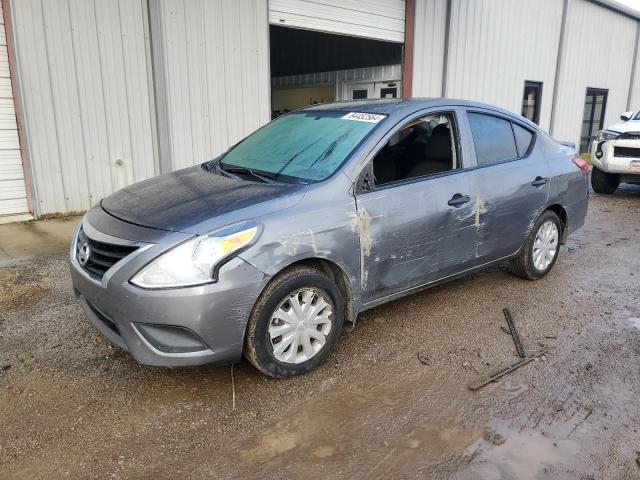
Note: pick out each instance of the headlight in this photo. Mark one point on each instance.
(604, 135)
(193, 262)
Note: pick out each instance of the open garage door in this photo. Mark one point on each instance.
(376, 19)
(329, 50)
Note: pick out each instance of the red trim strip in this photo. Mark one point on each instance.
(407, 65)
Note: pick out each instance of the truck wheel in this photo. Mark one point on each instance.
(603, 182)
(540, 249)
(295, 323)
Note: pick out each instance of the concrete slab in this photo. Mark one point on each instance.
(25, 240)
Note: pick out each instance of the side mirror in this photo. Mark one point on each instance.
(626, 116)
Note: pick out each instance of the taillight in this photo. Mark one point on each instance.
(581, 164)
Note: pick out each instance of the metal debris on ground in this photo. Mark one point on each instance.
(514, 333)
(511, 365)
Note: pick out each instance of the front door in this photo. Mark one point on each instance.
(417, 222)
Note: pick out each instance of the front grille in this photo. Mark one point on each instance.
(626, 152)
(98, 257)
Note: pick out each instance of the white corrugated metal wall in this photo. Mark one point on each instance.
(429, 47)
(371, 74)
(91, 94)
(379, 19)
(83, 71)
(495, 45)
(212, 75)
(13, 193)
(598, 52)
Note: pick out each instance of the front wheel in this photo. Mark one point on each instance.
(540, 250)
(603, 182)
(295, 323)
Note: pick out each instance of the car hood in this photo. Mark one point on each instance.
(625, 127)
(195, 201)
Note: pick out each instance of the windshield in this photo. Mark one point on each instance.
(307, 145)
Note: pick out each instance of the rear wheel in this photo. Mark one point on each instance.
(603, 182)
(540, 250)
(295, 323)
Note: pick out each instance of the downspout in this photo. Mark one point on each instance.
(445, 58)
(634, 66)
(159, 92)
(559, 59)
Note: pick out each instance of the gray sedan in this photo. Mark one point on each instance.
(272, 248)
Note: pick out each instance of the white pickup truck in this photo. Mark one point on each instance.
(615, 154)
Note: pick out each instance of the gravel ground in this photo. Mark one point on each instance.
(74, 406)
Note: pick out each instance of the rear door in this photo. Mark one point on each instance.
(417, 220)
(513, 182)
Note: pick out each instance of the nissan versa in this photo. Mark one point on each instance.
(269, 249)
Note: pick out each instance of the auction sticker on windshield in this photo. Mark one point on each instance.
(363, 117)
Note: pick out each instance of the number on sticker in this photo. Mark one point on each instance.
(363, 117)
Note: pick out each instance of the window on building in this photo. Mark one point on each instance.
(531, 101)
(595, 104)
(424, 146)
(359, 94)
(493, 137)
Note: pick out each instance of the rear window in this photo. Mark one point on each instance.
(309, 146)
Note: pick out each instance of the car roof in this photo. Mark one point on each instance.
(406, 106)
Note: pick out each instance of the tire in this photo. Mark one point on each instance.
(524, 265)
(603, 182)
(301, 284)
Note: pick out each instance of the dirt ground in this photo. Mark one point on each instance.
(73, 406)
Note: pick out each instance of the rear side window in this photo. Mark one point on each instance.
(523, 139)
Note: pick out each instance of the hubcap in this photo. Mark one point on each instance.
(299, 326)
(545, 245)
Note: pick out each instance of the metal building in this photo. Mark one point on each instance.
(95, 95)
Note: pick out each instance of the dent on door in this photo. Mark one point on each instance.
(416, 233)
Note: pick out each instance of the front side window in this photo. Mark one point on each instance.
(493, 138)
(637, 117)
(307, 146)
(424, 146)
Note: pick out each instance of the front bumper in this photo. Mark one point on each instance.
(616, 156)
(169, 327)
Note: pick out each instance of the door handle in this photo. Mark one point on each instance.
(459, 199)
(539, 181)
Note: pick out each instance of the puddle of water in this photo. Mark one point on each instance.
(526, 455)
(392, 413)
